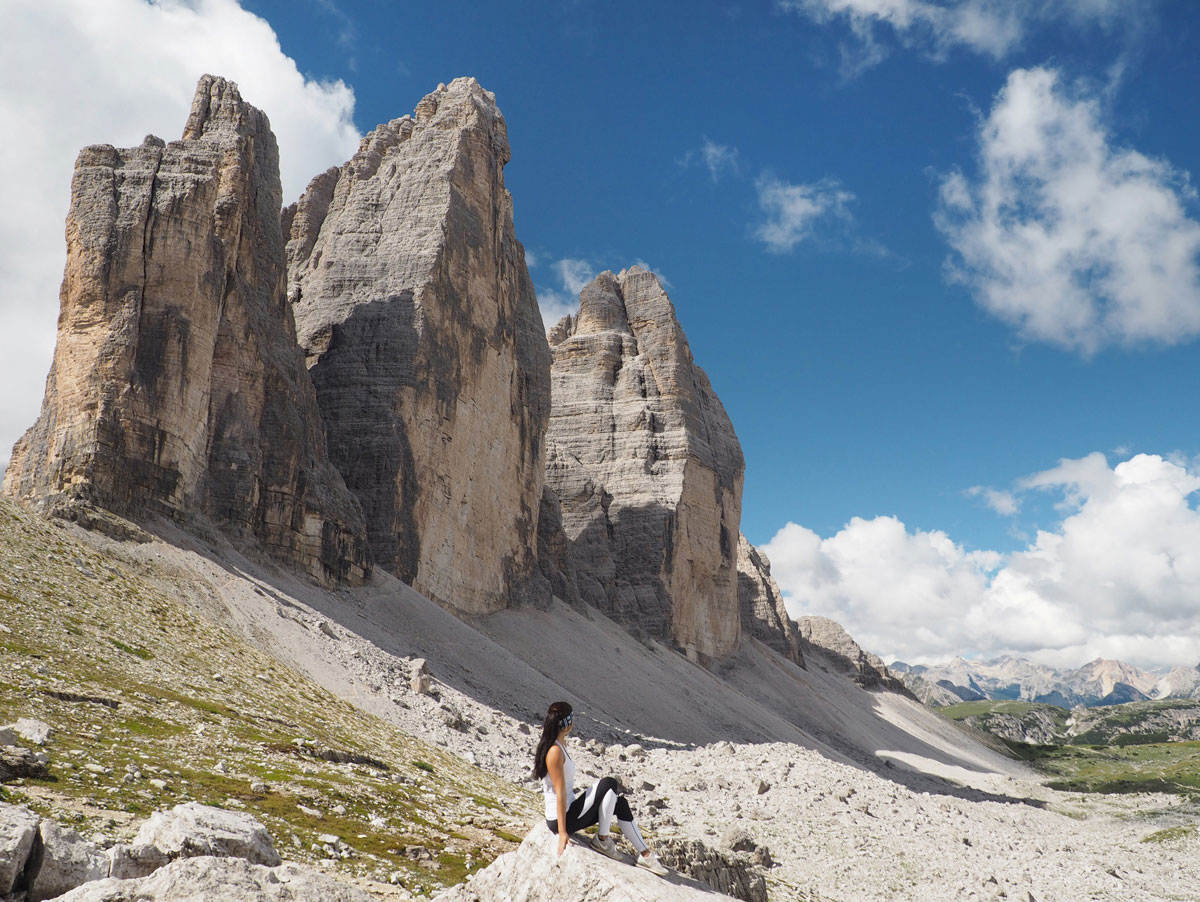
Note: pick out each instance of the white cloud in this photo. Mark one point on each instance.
(718, 159)
(1004, 503)
(77, 72)
(570, 275)
(574, 274)
(990, 27)
(1119, 576)
(1070, 238)
(793, 211)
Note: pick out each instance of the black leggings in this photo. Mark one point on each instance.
(598, 806)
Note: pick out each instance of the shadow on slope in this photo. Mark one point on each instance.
(624, 689)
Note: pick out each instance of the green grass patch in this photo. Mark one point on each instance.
(992, 706)
(423, 765)
(143, 653)
(1171, 767)
(1172, 834)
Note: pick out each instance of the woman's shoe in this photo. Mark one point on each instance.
(606, 845)
(652, 864)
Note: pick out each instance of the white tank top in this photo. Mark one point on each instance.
(568, 786)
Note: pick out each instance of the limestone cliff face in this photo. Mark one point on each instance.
(424, 341)
(763, 613)
(177, 387)
(646, 467)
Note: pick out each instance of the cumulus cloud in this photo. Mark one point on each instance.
(77, 72)
(1069, 237)
(794, 211)
(990, 27)
(1117, 577)
(718, 159)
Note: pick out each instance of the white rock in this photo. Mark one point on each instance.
(18, 829)
(193, 830)
(31, 730)
(68, 861)
(208, 879)
(534, 873)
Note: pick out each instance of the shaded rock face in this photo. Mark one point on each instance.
(646, 467)
(177, 388)
(423, 338)
(829, 639)
(763, 613)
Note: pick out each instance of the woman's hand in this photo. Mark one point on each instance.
(562, 841)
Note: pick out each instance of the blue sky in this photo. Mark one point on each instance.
(925, 251)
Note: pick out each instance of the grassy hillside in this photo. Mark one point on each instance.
(152, 706)
(1120, 748)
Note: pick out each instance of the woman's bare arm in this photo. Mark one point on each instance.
(554, 765)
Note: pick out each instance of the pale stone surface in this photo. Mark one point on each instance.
(229, 879)
(67, 861)
(424, 340)
(830, 639)
(646, 466)
(763, 613)
(177, 388)
(18, 830)
(534, 873)
(36, 731)
(192, 830)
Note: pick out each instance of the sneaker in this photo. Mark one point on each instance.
(652, 864)
(606, 845)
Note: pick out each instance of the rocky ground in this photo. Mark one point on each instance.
(870, 797)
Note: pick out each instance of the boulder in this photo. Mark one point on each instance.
(206, 879)
(763, 613)
(19, 762)
(177, 388)
(192, 830)
(67, 860)
(534, 873)
(18, 831)
(423, 337)
(36, 731)
(647, 468)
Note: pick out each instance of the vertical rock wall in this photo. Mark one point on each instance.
(177, 388)
(763, 613)
(646, 467)
(424, 341)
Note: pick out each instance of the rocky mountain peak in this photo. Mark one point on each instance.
(422, 334)
(647, 468)
(177, 388)
(217, 106)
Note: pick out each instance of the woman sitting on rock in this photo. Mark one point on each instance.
(567, 813)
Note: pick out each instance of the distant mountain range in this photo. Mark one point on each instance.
(1100, 682)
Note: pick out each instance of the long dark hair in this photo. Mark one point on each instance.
(550, 726)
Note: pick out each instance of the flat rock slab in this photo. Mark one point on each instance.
(534, 873)
(228, 879)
